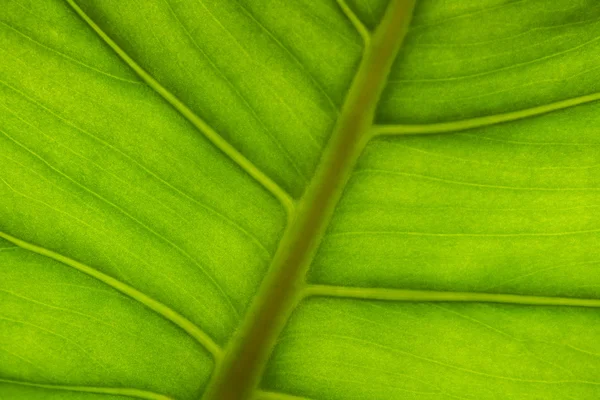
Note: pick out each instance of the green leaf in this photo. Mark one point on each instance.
(299, 200)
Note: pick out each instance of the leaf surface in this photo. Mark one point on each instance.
(180, 178)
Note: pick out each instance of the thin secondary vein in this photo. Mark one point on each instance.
(475, 184)
(238, 227)
(508, 52)
(514, 36)
(66, 339)
(156, 306)
(65, 56)
(493, 71)
(356, 22)
(506, 165)
(293, 112)
(369, 10)
(472, 123)
(93, 228)
(116, 328)
(538, 271)
(521, 341)
(355, 366)
(184, 253)
(524, 143)
(286, 200)
(68, 310)
(292, 56)
(204, 205)
(466, 15)
(372, 343)
(8, 248)
(218, 71)
(388, 294)
(41, 371)
(362, 382)
(326, 24)
(518, 35)
(129, 392)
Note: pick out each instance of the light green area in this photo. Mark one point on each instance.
(105, 172)
(368, 11)
(59, 326)
(272, 86)
(193, 118)
(469, 58)
(153, 152)
(508, 208)
(156, 306)
(354, 350)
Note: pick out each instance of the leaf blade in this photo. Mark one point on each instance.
(347, 349)
(100, 171)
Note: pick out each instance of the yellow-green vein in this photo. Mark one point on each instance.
(286, 200)
(462, 125)
(356, 22)
(156, 306)
(388, 294)
(135, 393)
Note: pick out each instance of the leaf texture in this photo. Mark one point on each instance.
(158, 158)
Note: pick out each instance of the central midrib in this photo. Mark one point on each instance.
(283, 287)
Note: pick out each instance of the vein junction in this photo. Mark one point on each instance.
(457, 126)
(285, 198)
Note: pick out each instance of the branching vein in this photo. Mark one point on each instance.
(458, 126)
(286, 200)
(358, 24)
(156, 306)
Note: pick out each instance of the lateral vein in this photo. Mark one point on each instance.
(284, 198)
(409, 295)
(130, 392)
(356, 22)
(163, 310)
(472, 123)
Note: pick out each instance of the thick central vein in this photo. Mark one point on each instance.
(271, 308)
(286, 200)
